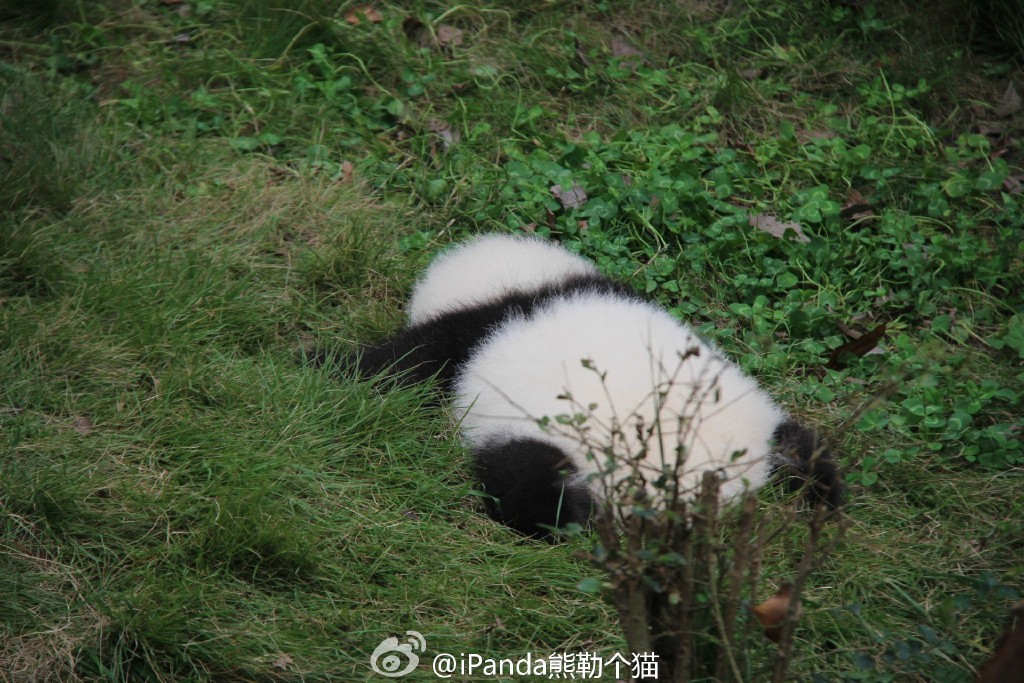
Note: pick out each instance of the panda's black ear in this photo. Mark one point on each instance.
(803, 458)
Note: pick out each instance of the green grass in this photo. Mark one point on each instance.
(189, 194)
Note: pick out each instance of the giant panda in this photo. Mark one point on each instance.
(558, 375)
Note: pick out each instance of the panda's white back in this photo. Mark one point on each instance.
(636, 351)
(486, 268)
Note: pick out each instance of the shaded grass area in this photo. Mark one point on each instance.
(191, 193)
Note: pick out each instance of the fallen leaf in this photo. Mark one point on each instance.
(622, 48)
(751, 74)
(773, 226)
(411, 514)
(805, 136)
(772, 612)
(449, 36)
(863, 345)
(529, 227)
(572, 198)
(856, 207)
(849, 331)
(1010, 102)
(282, 662)
(83, 425)
(1012, 184)
(346, 171)
(360, 12)
(449, 136)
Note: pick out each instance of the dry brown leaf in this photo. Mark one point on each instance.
(622, 48)
(849, 331)
(805, 136)
(863, 345)
(346, 171)
(83, 425)
(528, 227)
(772, 612)
(751, 74)
(449, 136)
(449, 36)
(856, 206)
(1012, 184)
(573, 198)
(366, 12)
(1010, 102)
(282, 662)
(773, 226)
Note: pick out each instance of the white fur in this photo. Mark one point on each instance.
(487, 267)
(720, 416)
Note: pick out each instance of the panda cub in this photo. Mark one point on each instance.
(560, 376)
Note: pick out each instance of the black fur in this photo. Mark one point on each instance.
(437, 347)
(806, 463)
(525, 482)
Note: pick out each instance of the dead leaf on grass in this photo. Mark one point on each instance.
(361, 13)
(862, 345)
(282, 662)
(622, 48)
(444, 37)
(772, 612)
(1012, 184)
(83, 425)
(805, 136)
(773, 226)
(856, 207)
(346, 171)
(573, 198)
(449, 136)
(751, 74)
(1010, 102)
(449, 36)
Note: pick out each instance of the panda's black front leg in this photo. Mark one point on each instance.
(412, 356)
(434, 349)
(806, 463)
